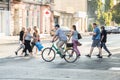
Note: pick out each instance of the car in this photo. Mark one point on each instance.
(66, 30)
(108, 29)
(115, 30)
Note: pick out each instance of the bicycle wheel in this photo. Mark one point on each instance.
(48, 54)
(70, 56)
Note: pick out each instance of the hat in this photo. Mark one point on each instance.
(57, 25)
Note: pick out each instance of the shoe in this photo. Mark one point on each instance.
(100, 56)
(16, 53)
(62, 56)
(109, 55)
(88, 55)
(78, 55)
(26, 55)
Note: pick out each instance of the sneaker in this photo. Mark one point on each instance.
(109, 55)
(26, 55)
(88, 55)
(100, 56)
(16, 53)
(62, 56)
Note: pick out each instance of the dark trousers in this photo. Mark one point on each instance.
(105, 47)
(27, 46)
(32, 45)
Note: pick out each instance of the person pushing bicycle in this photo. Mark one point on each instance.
(62, 39)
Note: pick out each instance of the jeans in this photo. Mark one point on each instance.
(75, 43)
(105, 47)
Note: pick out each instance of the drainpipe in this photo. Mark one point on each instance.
(8, 5)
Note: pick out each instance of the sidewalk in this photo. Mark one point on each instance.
(15, 39)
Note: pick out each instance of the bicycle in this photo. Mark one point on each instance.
(49, 54)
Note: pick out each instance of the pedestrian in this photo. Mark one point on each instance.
(27, 41)
(104, 40)
(20, 40)
(62, 39)
(36, 38)
(75, 40)
(96, 40)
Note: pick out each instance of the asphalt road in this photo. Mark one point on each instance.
(13, 67)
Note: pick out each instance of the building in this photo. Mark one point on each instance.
(24, 13)
(45, 14)
(4, 17)
(69, 12)
(30, 13)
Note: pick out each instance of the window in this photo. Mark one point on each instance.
(56, 19)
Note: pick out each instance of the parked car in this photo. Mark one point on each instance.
(66, 30)
(108, 29)
(115, 30)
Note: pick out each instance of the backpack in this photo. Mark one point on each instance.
(79, 36)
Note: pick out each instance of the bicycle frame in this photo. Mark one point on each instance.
(55, 48)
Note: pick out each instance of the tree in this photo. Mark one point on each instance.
(108, 13)
(103, 9)
(116, 13)
(100, 18)
(92, 8)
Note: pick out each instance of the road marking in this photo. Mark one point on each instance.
(114, 68)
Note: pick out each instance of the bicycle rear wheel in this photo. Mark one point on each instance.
(70, 55)
(48, 54)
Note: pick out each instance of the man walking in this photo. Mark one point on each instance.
(104, 40)
(96, 41)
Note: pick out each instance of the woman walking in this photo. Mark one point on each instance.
(36, 38)
(75, 40)
(27, 40)
(21, 39)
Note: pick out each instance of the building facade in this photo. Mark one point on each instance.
(4, 17)
(25, 13)
(30, 13)
(69, 12)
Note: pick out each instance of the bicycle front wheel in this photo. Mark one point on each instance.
(48, 54)
(70, 55)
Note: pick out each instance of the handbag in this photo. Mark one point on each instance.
(79, 36)
(38, 45)
(69, 44)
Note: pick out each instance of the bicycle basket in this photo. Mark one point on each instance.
(69, 44)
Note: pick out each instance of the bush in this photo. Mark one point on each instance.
(90, 28)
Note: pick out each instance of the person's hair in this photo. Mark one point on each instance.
(57, 25)
(36, 30)
(35, 27)
(94, 24)
(74, 27)
(102, 27)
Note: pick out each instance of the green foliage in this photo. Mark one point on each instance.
(104, 16)
(90, 28)
(108, 5)
(92, 8)
(103, 9)
(116, 13)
